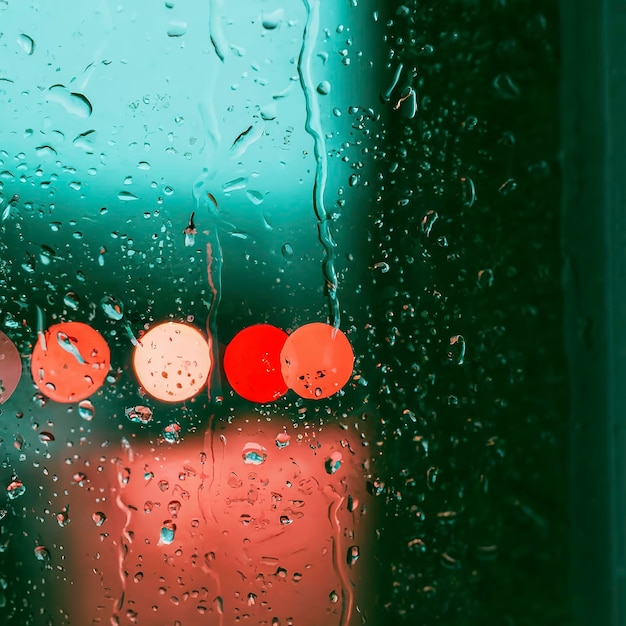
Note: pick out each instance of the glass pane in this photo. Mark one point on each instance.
(264, 274)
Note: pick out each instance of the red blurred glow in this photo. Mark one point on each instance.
(316, 360)
(70, 362)
(252, 363)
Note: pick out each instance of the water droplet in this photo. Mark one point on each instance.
(353, 555)
(287, 250)
(173, 508)
(15, 489)
(285, 519)
(468, 191)
(168, 532)
(86, 410)
(112, 308)
(456, 353)
(256, 197)
(323, 88)
(42, 554)
(333, 463)
(26, 43)
(506, 87)
(71, 300)
(253, 454)
(269, 112)
(126, 196)
(139, 414)
(485, 278)
(272, 20)
(507, 187)
(176, 29)
(282, 440)
(233, 481)
(74, 103)
(171, 433)
(99, 518)
(428, 221)
(63, 517)
(46, 437)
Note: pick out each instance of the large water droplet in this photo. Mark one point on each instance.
(26, 43)
(15, 489)
(71, 300)
(273, 19)
(253, 454)
(168, 532)
(74, 103)
(176, 29)
(99, 518)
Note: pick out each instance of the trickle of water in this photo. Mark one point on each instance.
(253, 454)
(86, 410)
(139, 414)
(314, 128)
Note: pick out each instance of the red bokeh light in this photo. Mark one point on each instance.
(252, 363)
(70, 361)
(316, 360)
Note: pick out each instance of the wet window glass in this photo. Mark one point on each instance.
(266, 309)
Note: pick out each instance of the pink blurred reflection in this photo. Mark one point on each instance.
(257, 544)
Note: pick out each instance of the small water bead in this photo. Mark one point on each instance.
(282, 440)
(323, 88)
(15, 489)
(139, 414)
(86, 410)
(98, 518)
(42, 554)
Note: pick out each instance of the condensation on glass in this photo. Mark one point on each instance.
(211, 164)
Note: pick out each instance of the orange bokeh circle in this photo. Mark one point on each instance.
(10, 368)
(70, 362)
(316, 360)
(172, 362)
